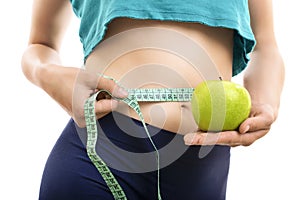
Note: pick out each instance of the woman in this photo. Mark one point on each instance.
(223, 36)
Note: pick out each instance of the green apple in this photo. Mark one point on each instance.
(219, 105)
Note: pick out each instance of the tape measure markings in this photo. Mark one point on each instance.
(134, 96)
(92, 134)
(161, 94)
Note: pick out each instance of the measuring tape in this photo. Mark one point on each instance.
(134, 96)
(161, 94)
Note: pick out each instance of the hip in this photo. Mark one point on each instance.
(133, 162)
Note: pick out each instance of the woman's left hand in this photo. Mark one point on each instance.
(256, 126)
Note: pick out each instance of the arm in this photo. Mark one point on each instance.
(46, 34)
(265, 75)
(68, 86)
(263, 79)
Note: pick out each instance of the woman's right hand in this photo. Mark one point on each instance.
(41, 63)
(71, 87)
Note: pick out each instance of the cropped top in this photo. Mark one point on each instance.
(95, 15)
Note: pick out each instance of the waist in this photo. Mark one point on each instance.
(152, 54)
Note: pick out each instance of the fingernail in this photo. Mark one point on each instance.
(122, 91)
(247, 129)
(189, 139)
(186, 140)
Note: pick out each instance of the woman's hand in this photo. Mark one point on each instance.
(256, 126)
(41, 63)
(71, 87)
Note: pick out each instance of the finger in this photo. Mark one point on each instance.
(201, 138)
(112, 87)
(192, 139)
(228, 138)
(234, 138)
(105, 106)
(256, 123)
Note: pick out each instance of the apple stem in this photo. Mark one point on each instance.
(220, 78)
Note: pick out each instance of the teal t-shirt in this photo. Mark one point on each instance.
(95, 15)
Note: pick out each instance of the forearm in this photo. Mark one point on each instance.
(264, 77)
(42, 66)
(37, 59)
(48, 26)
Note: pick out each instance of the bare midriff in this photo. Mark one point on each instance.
(146, 67)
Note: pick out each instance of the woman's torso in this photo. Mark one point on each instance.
(161, 65)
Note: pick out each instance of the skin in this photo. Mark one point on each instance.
(71, 86)
(41, 64)
(264, 78)
(172, 116)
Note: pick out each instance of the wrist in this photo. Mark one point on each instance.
(270, 108)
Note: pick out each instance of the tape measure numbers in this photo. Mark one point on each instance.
(161, 94)
(134, 96)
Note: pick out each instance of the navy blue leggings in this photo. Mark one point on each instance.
(185, 173)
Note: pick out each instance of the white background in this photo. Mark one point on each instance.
(31, 121)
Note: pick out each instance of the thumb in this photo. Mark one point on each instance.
(112, 87)
(255, 123)
(245, 126)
